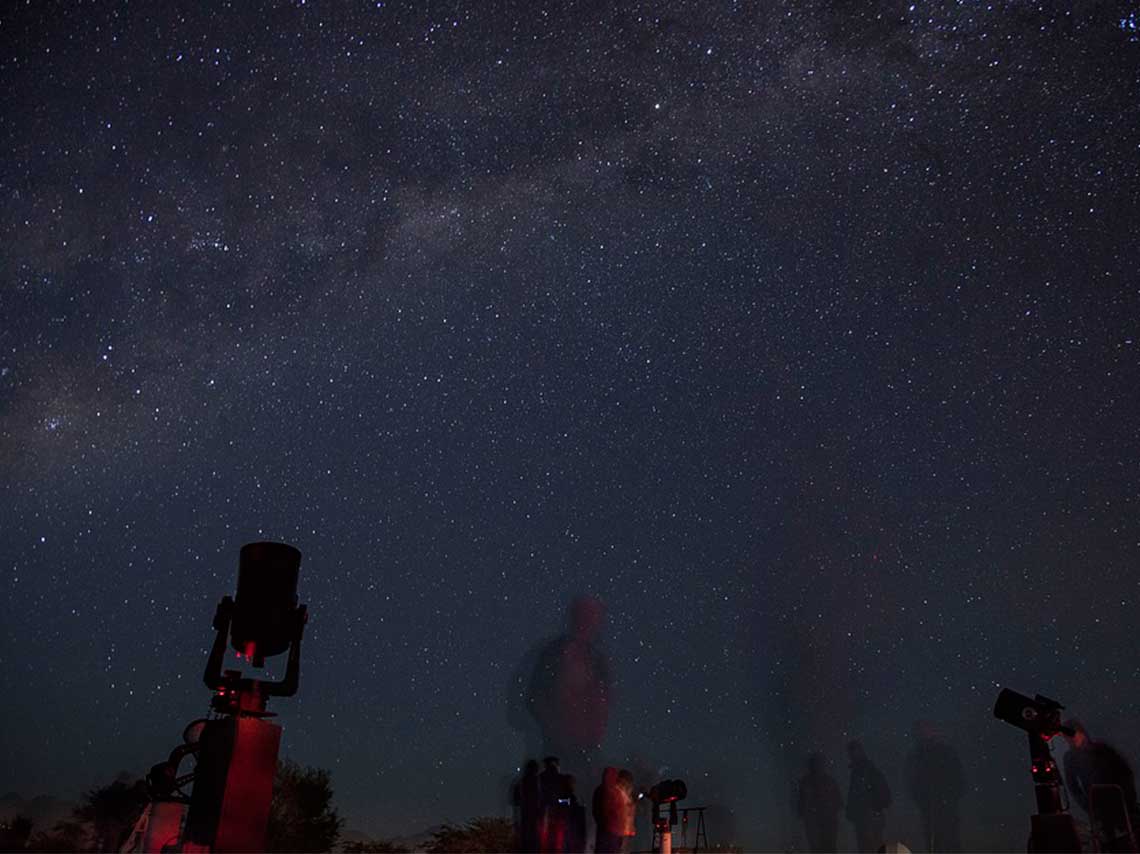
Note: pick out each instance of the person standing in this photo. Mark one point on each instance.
(937, 784)
(817, 804)
(527, 799)
(554, 802)
(569, 690)
(628, 807)
(1088, 763)
(607, 801)
(868, 797)
(576, 818)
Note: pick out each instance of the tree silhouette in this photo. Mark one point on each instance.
(102, 820)
(65, 836)
(484, 834)
(302, 817)
(14, 833)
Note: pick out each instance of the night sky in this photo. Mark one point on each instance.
(804, 335)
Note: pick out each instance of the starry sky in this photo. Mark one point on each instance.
(802, 334)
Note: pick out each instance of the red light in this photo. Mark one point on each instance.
(1034, 769)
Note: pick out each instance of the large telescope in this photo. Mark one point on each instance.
(236, 749)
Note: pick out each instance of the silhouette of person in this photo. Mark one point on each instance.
(527, 800)
(607, 814)
(1089, 763)
(576, 817)
(628, 806)
(937, 784)
(569, 691)
(818, 803)
(552, 783)
(868, 797)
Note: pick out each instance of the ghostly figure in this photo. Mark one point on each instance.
(937, 785)
(569, 692)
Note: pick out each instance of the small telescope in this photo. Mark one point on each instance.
(666, 792)
(1051, 829)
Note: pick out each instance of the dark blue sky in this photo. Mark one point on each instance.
(802, 334)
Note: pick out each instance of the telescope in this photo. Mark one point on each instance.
(263, 620)
(666, 792)
(236, 750)
(1040, 716)
(1052, 828)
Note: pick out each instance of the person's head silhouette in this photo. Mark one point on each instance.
(587, 614)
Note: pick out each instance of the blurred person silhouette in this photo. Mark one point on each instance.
(818, 802)
(552, 785)
(608, 820)
(569, 690)
(628, 806)
(550, 780)
(937, 784)
(644, 764)
(1089, 762)
(868, 797)
(527, 800)
(575, 819)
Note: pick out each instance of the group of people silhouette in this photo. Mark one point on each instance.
(563, 691)
(936, 785)
(819, 801)
(549, 817)
(934, 779)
